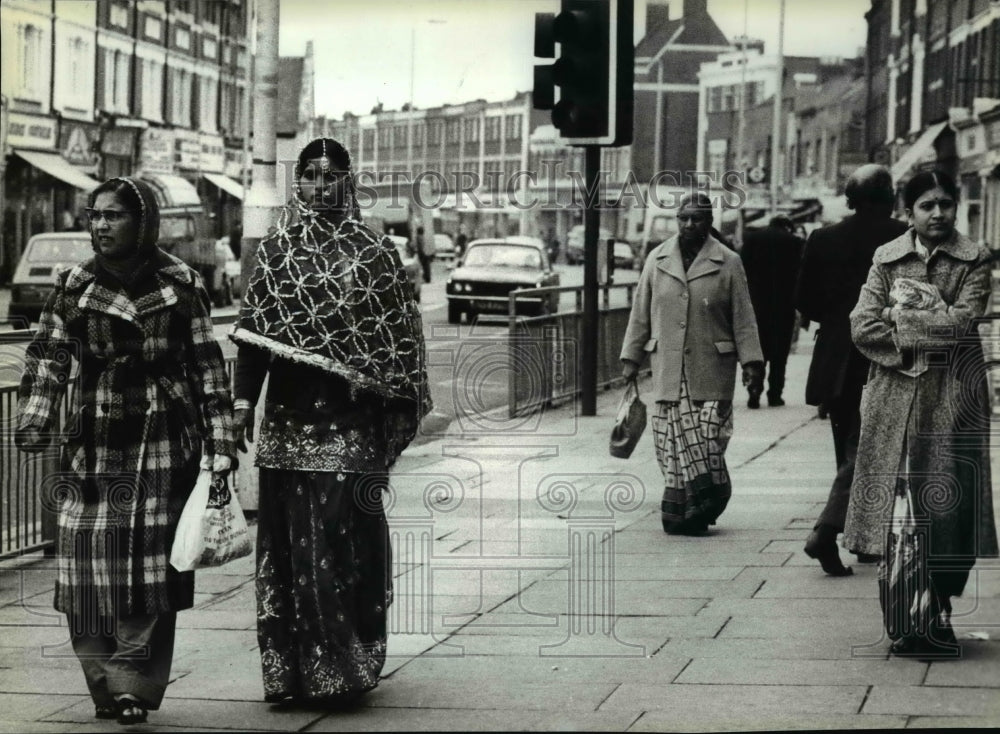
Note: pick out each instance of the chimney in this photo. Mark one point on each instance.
(657, 13)
(694, 8)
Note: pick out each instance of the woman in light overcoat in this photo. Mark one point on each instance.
(925, 408)
(693, 319)
(152, 398)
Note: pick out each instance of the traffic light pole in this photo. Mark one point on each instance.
(591, 223)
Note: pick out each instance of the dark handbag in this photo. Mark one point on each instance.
(905, 589)
(629, 423)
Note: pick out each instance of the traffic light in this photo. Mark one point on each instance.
(594, 70)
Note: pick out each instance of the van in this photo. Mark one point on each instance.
(184, 233)
(34, 278)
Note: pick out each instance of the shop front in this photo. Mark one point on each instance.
(223, 196)
(44, 192)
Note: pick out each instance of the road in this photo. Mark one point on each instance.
(467, 364)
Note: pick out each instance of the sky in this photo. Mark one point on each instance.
(470, 49)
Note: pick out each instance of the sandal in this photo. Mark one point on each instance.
(131, 711)
(106, 712)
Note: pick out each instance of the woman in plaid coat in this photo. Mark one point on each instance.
(152, 399)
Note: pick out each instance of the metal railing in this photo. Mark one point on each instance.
(544, 349)
(27, 520)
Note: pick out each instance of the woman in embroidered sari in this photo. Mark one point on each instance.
(329, 317)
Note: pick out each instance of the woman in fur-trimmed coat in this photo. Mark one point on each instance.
(925, 426)
(152, 398)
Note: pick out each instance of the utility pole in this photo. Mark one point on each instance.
(263, 200)
(778, 103)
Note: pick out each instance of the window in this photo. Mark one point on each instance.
(454, 132)
(715, 99)
(513, 127)
(76, 71)
(209, 48)
(183, 38)
(208, 94)
(122, 82)
(435, 132)
(118, 16)
(153, 27)
(31, 60)
(368, 141)
(471, 128)
(152, 90)
(728, 98)
(938, 13)
(493, 125)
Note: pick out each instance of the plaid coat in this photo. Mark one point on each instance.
(153, 396)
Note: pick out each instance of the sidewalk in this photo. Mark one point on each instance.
(535, 590)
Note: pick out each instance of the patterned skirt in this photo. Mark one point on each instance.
(323, 584)
(691, 437)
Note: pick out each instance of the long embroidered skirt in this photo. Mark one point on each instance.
(691, 437)
(323, 584)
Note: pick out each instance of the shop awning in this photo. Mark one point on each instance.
(225, 183)
(57, 167)
(917, 151)
(172, 190)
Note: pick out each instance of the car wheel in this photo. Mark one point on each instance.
(454, 313)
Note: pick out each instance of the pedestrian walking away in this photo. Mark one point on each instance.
(834, 268)
(425, 252)
(771, 258)
(330, 319)
(152, 398)
(693, 319)
(925, 411)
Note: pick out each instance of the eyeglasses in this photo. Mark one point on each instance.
(111, 216)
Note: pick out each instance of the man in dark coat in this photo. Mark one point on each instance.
(771, 258)
(835, 267)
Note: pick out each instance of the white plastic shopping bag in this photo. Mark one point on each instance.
(212, 530)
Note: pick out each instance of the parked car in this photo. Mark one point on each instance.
(574, 243)
(444, 246)
(34, 278)
(491, 269)
(411, 264)
(624, 256)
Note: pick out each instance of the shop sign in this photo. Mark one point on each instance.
(119, 142)
(30, 131)
(188, 150)
(78, 143)
(156, 151)
(213, 153)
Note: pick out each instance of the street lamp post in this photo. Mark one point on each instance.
(778, 102)
(413, 76)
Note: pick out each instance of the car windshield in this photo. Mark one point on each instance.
(60, 250)
(503, 256)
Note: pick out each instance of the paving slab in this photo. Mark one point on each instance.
(952, 722)
(978, 667)
(545, 670)
(855, 672)
(25, 707)
(933, 701)
(199, 713)
(751, 701)
(426, 719)
(491, 693)
(783, 648)
(738, 721)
